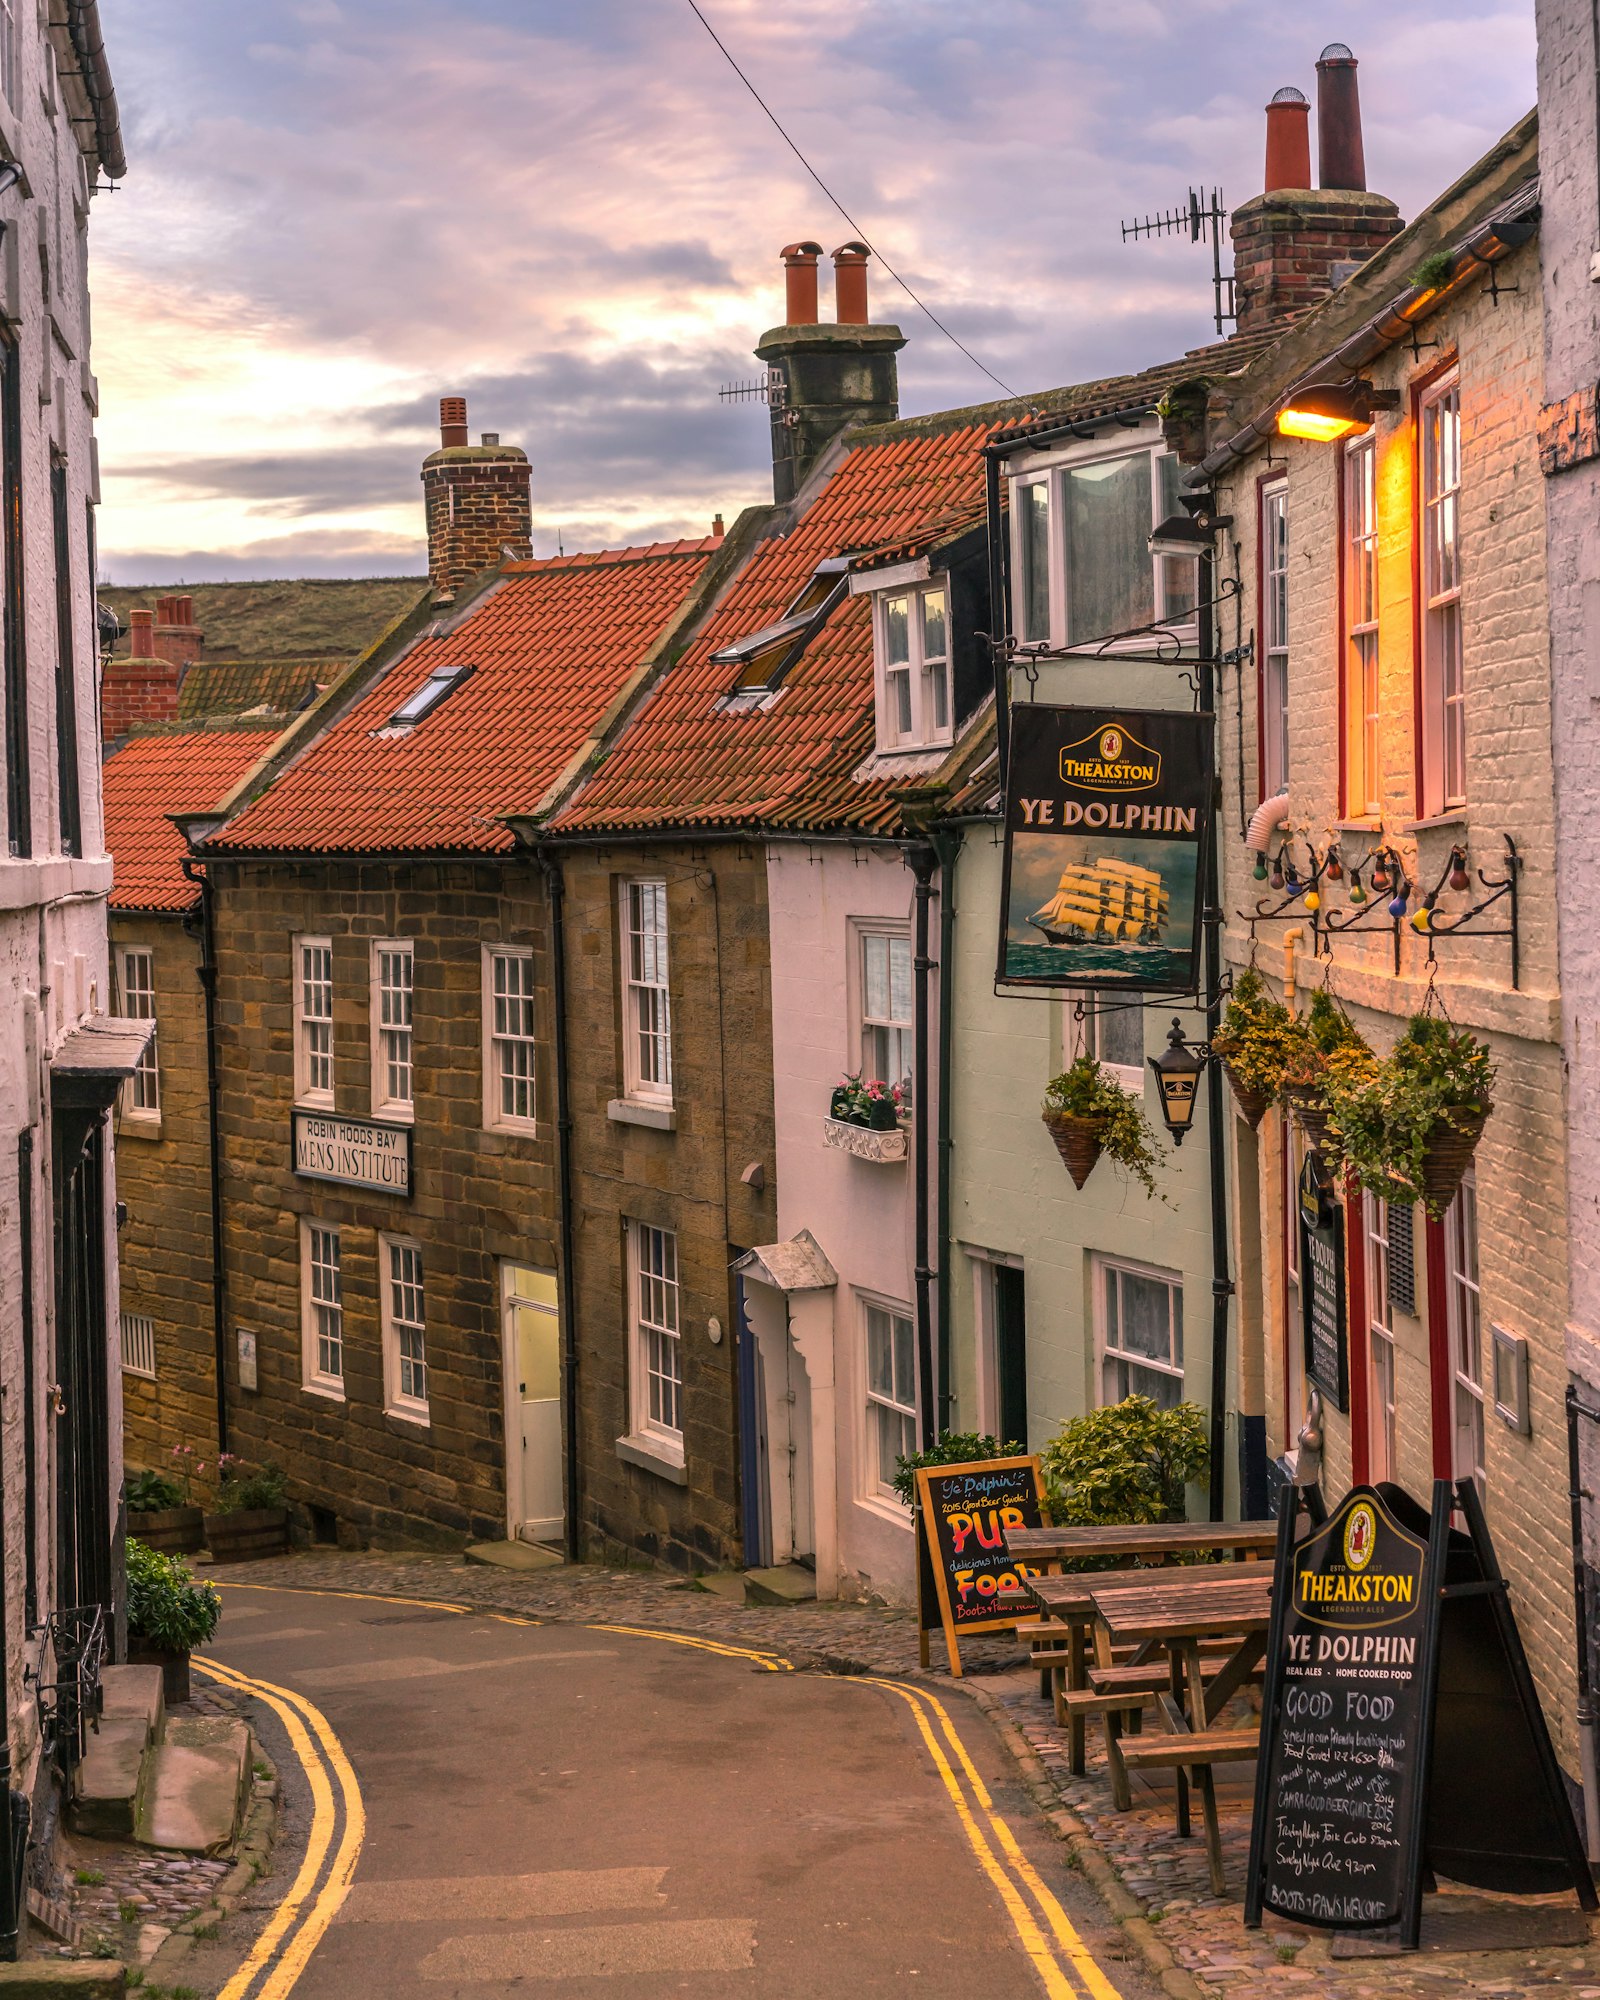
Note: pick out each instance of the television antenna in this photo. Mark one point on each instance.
(771, 389)
(1204, 217)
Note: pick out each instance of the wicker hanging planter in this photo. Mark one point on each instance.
(1447, 1156)
(1310, 1113)
(1078, 1141)
(1252, 1101)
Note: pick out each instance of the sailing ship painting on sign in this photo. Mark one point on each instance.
(1106, 820)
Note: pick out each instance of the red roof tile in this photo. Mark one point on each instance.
(152, 776)
(550, 646)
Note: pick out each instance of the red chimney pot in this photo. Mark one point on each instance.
(452, 421)
(1288, 141)
(850, 284)
(800, 283)
(1341, 157)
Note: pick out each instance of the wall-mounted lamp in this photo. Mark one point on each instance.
(1334, 410)
(1182, 535)
(1179, 1068)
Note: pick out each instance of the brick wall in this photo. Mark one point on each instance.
(477, 503)
(686, 1180)
(1289, 245)
(1523, 1251)
(164, 1176)
(480, 1196)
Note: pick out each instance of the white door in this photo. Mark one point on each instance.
(533, 1403)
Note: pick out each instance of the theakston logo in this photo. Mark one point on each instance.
(1360, 1537)
(1110, 760)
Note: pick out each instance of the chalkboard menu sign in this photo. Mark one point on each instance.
(965, 1511)
(1321, 1224)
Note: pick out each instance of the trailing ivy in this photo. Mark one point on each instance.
(1086, 1091)
(1438, 1083)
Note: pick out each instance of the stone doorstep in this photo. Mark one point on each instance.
(43, 1978)
(788, 1583)
(728, 1584)
(110, 1782)
(199, 1781)
(513, 1555)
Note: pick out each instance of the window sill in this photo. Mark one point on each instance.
(643, 1111)
(317, 1100)
(654, 1455)
(417, 1420)
(887, 1507)
(393, 1114)
(1456, 817)
(512, 1128)
(135, 1125)
(884, 1146)
(325, 1390)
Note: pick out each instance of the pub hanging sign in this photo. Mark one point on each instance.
(1107, 815)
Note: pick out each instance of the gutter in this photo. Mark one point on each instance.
(94, 73)
(1507, 229)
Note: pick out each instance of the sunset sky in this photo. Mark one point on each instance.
(338, 210)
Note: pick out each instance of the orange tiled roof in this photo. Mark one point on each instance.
(152, 776)
(550, 646)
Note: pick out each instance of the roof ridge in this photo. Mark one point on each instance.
(612, 558)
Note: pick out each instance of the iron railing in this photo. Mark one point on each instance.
(65, 1677)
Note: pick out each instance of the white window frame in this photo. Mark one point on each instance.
(646, 1001)
(1362, 693)
(1444, 727)
(136, 977)
(1383, 1439)
(503, 1052)
(10, 51)
(394, 1042)
(655, 1337)
(1131, 1078)
(868, 1025)
(306, 1059)
(136, 1336)
(403, 1310)
(1105, 1272)
(880, 1406)
(314, 1300)
(1467, 1427)
(1274, 641)
(1053, 470)
(928, 685)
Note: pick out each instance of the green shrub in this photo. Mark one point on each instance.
(267, 1486)
(952, 1448)
(166, 1607)
(153, 1493)
(1126, 1463)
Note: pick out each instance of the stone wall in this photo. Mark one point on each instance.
(686, 1179)
(480, 1195)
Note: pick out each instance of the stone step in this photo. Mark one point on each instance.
(111, 1778)
(514, 1555)
(728, 1584)
(47, 1978)
(199, 1783)
(785, 1583)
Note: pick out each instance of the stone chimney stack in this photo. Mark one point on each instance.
(1293, 244)
(140, 689)
(825, 377)
(476, 499)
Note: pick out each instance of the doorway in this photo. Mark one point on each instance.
(1002, 1347)
(531, 1310)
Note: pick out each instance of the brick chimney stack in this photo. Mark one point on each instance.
(476, 499)
(828, 377)
(140, 689)
(176, 636)
(1293, 244)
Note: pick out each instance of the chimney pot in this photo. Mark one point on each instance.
(1288, 141)
(717, 528)
(452, 421)
(850, 284)
(1341, 157)
(141, 626)
(489, 438)
(800, 283)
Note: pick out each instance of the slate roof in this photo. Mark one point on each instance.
(152, 776)
(551, 645)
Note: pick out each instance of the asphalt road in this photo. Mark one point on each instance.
(623, 1817)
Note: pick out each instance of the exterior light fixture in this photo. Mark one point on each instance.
(1178, 1069)
(1333, 410)
(1182, 535)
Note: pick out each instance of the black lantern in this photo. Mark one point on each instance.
(1178, 1070)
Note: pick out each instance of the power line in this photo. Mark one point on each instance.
(920, 304)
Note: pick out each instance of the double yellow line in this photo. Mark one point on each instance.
(338, 1827)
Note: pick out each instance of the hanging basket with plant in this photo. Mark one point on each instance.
(1256, 1041)
(1089, 1113)
(1328, 1051)
(1407, 1127)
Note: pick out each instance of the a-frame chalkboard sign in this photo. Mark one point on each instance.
(1401, 1733)
(965, 1580)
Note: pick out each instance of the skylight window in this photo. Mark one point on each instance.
(441, 682)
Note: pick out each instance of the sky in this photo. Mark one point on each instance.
(337, 211)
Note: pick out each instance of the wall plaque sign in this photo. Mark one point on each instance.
(1322, 1301)
(352, 1151)
(1107, 816)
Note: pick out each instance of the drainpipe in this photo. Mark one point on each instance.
(555, 890)
(947, 845)
(10, 1886)
(998, 617)
(923, 861)
(1580, 1599)
(205, 932)
(1221, 1282)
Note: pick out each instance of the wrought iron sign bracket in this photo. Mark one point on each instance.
(1438, 926)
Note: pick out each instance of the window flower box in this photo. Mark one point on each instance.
(863, 1143)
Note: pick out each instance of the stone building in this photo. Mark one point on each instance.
(1396, 713)
(63, 1054)
(387, 1090)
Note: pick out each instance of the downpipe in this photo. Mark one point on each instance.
(555, 892)
(1576, 1408)
(923, 861)
(205, 933)
(947, 844)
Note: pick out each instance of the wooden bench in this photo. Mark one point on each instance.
(1187, 1750)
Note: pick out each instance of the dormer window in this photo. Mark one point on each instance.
(441, 682)
(911, 644)
(763, 658)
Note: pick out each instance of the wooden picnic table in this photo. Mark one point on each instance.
(1176, 1611)
(1134, 1540)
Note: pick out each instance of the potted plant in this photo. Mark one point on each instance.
(1256, 1041)
(159, 1514)
(1407, 1127)
(1089, 1113)
(252, 1514)
(169, 1614)
(1129, 1462)
(866, 1104)
(950, 1448)
(1328, 1051)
